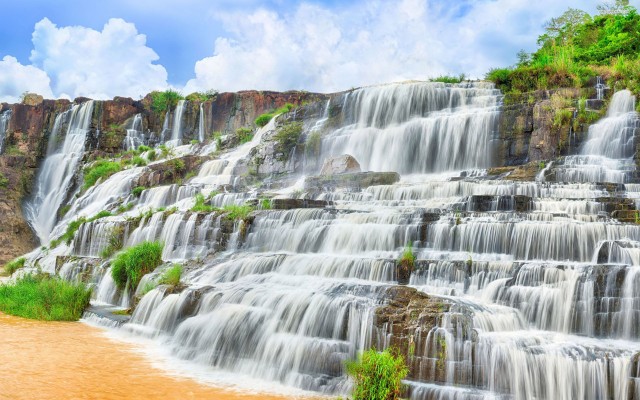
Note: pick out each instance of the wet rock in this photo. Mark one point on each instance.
(340, 165)
(354, 181)
(169, 171)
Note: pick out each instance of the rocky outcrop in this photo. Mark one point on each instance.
(340, 165)
(170, 171)
(353, 181)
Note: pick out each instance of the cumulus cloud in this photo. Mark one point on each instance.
(15, 79)
(322, 49)
(99, 64)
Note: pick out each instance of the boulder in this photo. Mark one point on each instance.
(340, 165)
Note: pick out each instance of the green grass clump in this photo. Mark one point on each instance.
(244, 135)
(101, 214)
(449, 79)
(286, 138)
(171, 276)
(201, 205)
(114, 241)
(133, 263)
(13, 266)
(377, 376)
(163, 101)
(138, 161)
(4, 182)
(137, 191)
(407, 261)
(237, 212)
(265, 204)
(152, 155)
(101, 169)
(263, 119)
(44, 298)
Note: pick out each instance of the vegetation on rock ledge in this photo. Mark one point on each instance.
(377, 376)
(133, 263)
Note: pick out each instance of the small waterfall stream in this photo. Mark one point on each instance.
(56, 174)
(5, 117)
(539, 287)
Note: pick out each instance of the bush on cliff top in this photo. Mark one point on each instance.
(44, 298)
(575, 48)
(135, 262)
(377, 376)
(163, 101)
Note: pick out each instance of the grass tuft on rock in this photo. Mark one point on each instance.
(44, 298)
(377, 376)
(237, 212)
(171, 276)
(14, 265)
(101, 169)
(133, 263)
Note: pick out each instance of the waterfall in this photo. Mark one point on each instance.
(606, 155)
(201, 126)
(176, 131)
(56, 175)
(135, 135)
(418, 127)
(5, 118)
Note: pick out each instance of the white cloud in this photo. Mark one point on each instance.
(16, 79)
(319, 49)
(84, 62)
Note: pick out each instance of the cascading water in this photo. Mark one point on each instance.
(201, 125)
(5, 117)
(176, 131)
(56, 174)
(536, 286)
(607, 154)
(418, 127)
(135, 134)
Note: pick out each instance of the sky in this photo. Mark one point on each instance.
(108, 48)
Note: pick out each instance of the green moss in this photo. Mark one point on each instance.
(13, 266)
(171, 276)
(377, 376)
(101, 169)
(133, 263)
(44, 298)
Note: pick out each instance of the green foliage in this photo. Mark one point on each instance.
(101, 169)
(244, 135)
(64, 210)
(101, 214)
(4, 182)
(137, 191)
(141, 149)
(166, 152)
(133, 263)
(287, 137)
(449, 79)
(377, 376)
(313, 144)
(265, 204)
(138, 161)
(44, 298)
(171, 276)
(201, 205)
(201, 97)
(114, 241)
(237, 212)
(263, 119)
(13, 266)
(562, 117)
(178, 164)
(152, 155)
(407, 261)
(163, 101)
(124, 208)
(575, 48)
(195, 142)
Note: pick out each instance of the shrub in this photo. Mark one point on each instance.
(263, 119)
(406, 262)
(287, 137)
(237, 212)
(265, 204)
(244, 135)
(142, 148)
(44, 298)
(152, 155)
(101, 169)
(313, 144)
(4, 182)
(114, 241)
(377, 376)
(137, 191)
(133, 263)
(13, 266)
(162, 101)
(171, 276)
(178, 164)
(201, 205)
(139, 161)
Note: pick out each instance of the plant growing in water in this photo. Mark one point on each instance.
(377, 376)
(135, 262)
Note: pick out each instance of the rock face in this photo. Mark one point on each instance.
(340, 165)
(354, 181)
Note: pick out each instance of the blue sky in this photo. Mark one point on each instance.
(105, 48)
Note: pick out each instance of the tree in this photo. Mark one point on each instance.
(618, 7)
(564, 27)
(523, 58)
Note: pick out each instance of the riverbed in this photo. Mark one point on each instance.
(73, 360)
